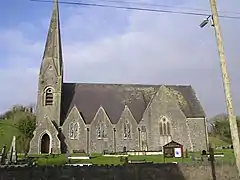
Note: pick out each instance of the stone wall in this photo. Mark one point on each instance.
(198, 133)
(145, 134)
(127, 172)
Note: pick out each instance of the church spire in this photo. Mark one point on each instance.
(53, 49)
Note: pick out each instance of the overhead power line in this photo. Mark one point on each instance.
(136, 9)
(162, 5)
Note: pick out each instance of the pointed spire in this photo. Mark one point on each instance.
(53, 49)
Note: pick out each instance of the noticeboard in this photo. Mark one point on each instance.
(173, 149)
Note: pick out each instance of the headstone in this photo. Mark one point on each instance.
(12, 156)
(186, 153)
(3, 155)
(67, 156)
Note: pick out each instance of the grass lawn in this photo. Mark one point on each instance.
(98, 159)
(217, 142)
(7, 131)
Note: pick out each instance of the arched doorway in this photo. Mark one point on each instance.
(45, 144)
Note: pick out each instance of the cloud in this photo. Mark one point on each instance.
(116, 46)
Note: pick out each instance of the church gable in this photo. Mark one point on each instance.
(73, 117)
(45, 127)
(47, 124)
(168, 121)
(187, 100)
(74, 122)
(101, 132)
(164, 104)
(127, 132)
(74, 131)
(101, 124)
(126, 125)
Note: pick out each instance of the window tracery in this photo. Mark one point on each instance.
(164, 127)
(74, 130)
(168, 128)
(101, 130)
(127, 130)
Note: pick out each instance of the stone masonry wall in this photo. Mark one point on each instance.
(126, 172)
(198, 133)
(145, 135)
(80, 143)
(132, 143)
(164, 106)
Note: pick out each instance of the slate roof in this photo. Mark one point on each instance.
(113, 97)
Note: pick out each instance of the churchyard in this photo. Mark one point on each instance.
(225, 155)
(221, 156)
(102, 166)
(193, 165)
(19, 124)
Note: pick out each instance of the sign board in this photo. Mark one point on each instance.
(169, 152)
(173, 149)
(177, 152)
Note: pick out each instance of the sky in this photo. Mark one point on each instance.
(106, 45)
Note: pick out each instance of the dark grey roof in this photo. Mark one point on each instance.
(113, 97)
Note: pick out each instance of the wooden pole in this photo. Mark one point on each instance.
(212, 159)
(226, 85)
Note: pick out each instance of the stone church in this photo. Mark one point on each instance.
(93, 118)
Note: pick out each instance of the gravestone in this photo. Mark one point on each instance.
(12, 155)
(3, 155)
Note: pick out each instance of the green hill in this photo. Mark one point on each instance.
(7, 131)
(217, 142)
(15, 123)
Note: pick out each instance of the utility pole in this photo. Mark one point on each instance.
(226, 85)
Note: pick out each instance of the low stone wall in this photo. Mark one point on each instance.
(126, 172)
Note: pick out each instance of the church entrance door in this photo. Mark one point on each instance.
(45, 144)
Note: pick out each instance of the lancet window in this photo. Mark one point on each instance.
(74, 130)
(164, 127)
(127, 130)
(101, 130)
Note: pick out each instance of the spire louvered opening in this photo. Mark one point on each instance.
(49, 97)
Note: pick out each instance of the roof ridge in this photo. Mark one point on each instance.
(127, 84)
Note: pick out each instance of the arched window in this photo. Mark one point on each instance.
(74, 130)
(161, 128)
(164, 127)
(127, 130)
(71, 131)
(168, 128)
(48, 97)
(101, 130)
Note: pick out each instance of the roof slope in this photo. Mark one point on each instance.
(113, 97)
